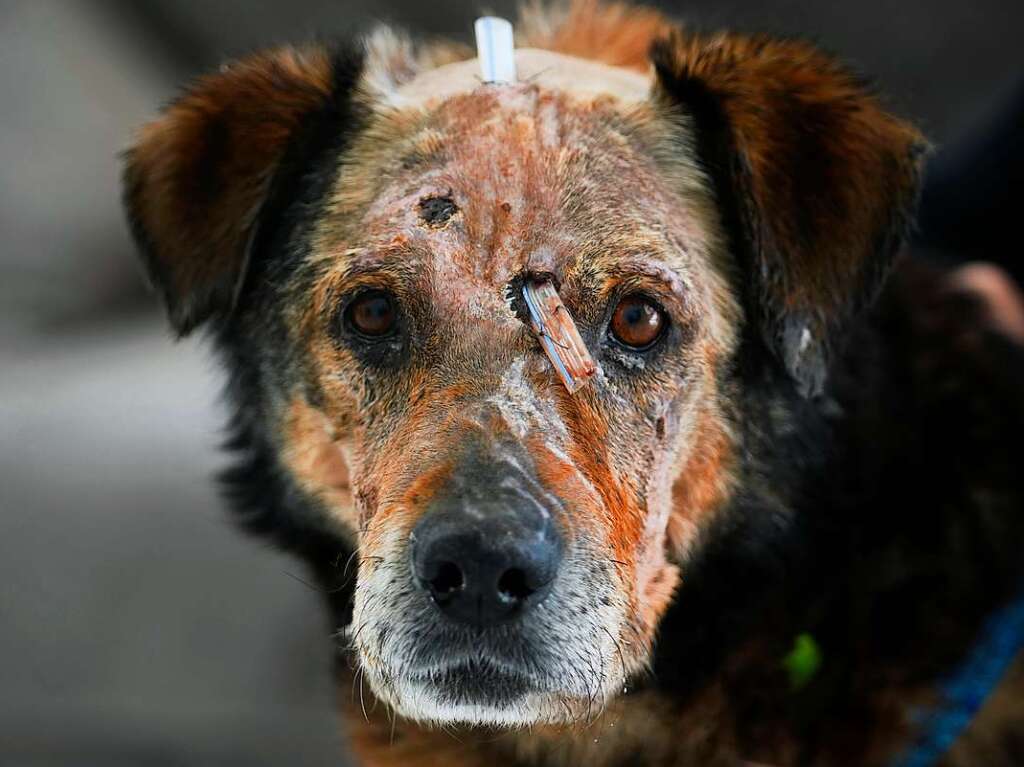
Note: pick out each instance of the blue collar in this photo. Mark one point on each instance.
(966, 689)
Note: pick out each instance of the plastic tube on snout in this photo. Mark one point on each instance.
(557, 332)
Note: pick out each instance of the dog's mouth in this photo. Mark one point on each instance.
(475, 683)
(551, 662)
(498, 686)
(477, 693)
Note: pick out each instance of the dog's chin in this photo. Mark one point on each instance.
(470, 695)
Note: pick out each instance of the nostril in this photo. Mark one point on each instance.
(483, 569)
(448, 579)
(512, 585)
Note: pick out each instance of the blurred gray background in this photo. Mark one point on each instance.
(136, 626)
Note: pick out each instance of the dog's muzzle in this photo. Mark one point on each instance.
(497, 605)
(487, 549)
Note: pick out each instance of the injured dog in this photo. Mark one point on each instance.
(772, 520)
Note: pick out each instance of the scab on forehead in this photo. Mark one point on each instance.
(436, 210)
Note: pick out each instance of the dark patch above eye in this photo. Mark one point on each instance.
(436, 211)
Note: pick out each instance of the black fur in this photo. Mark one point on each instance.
(259, 490)
(884, 518)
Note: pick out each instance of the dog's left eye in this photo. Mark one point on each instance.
(637, 322)
(372, 314)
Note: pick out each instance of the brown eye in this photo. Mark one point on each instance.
(637, 322)
(372, 314)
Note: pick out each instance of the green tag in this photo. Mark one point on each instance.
(803, 661)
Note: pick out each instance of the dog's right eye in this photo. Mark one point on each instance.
(372, 314)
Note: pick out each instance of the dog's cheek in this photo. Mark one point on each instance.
(613, 500)
(684, 438)
(701, 485)
(657, 595)
(612, 459)
(656, 577)
(690, 448)
(312, 450)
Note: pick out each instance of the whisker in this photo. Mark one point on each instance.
(618, 647)
(348, 562)
(362, 701)
(313, 586)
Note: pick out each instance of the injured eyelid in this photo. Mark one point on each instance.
(558, 335)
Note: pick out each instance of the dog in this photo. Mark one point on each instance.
(779, 519)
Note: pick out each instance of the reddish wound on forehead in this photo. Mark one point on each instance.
(558, 335)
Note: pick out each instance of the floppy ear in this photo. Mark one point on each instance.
(817, 184)
(201, 179)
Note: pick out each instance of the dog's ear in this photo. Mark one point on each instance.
(199, 179)
(816, 182)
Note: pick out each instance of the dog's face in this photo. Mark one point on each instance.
(512, 534)
(517, 544)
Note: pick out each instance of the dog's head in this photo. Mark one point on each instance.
(357, 225)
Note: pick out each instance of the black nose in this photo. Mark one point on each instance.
(486, 564)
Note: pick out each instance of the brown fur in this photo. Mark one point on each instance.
(612, 33)
(702, 486)
(315, 458)
(197, 177)
(826, 178)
